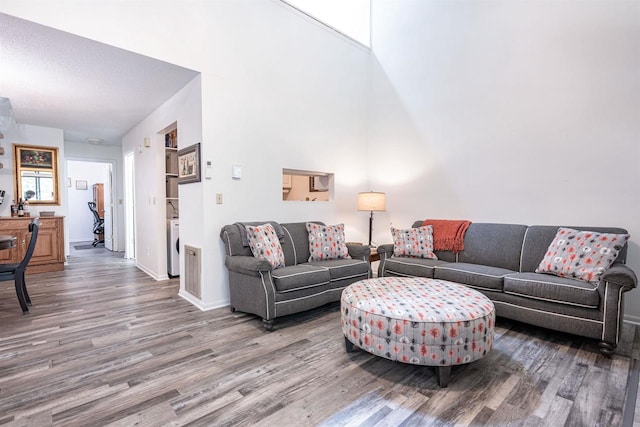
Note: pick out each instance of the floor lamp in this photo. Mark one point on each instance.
(371, 201)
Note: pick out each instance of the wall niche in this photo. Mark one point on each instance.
(306, 186)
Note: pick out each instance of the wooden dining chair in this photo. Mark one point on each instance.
(16, 272)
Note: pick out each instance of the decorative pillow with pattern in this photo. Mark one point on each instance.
(264, 243)
(582, 255)
(327, 242)
(415, 242)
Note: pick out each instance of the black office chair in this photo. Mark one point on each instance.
(98, 225)
(16, 272)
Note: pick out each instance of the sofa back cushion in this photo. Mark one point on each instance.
(539, 237)
(496, 245)
(296, 242)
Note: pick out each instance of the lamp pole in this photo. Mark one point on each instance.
(370, 227)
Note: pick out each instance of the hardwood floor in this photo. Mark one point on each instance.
(104, 344)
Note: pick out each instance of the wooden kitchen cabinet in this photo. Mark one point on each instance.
(48, 254)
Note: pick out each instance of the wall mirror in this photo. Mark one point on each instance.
(35, 174)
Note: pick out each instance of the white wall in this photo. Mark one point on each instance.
(277, 91)
(185, 109)
(80, 218)
(32, 135)
(519, 112)
(523, 112)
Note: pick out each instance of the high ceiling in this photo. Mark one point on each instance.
(88, 89)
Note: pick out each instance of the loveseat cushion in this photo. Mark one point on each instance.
(408, 266)
(340, 269)
(552, 288)
(301, 276)
(474, 275)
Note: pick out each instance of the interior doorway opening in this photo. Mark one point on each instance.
(90, 182)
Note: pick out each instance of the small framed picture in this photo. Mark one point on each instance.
(81, 185)
(189, 164)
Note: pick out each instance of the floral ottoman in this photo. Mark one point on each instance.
(418, 320)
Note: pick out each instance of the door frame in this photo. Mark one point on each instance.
(114, 194)
(129, 181)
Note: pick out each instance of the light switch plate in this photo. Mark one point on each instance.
(236, 171)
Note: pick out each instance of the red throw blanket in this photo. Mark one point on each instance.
(448, 235)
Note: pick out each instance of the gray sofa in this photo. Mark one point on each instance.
(499, 260)
(255, 287)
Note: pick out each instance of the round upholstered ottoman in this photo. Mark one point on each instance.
(418, 320)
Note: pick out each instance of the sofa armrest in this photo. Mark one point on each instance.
(620, 275)
(385, 250)
(247, 265)
(358, 251)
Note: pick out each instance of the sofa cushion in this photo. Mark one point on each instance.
(582, 255)
(408, 266)
(552, 288)
(296, 243)
(264, 243)
(344, 268)
(474, 275)
(413, 242)
(539, 237)
(326, 242)
(496, 245)
(299, 276)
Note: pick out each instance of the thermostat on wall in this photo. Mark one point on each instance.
(208, 169)
(236, 171)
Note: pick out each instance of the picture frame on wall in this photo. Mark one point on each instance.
(189, 169)
(81, 185)
(36, 174)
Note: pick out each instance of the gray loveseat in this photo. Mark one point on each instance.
(255, 287)
(500, 260)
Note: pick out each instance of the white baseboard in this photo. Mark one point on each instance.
(198, 303)
(632, 319)
(151, 273)
(80, 240)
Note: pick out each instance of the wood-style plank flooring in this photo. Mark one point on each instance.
(104, 344)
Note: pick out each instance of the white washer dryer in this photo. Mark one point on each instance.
(173, 247)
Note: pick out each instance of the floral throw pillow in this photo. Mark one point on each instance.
(415, 242)
(264, 243)
(326, 242)
(582, 255)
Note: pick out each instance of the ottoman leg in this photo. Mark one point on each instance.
(443, 373)
(349, 345)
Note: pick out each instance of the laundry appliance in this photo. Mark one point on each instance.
(173, 247)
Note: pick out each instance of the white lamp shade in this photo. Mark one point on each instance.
(371, 201)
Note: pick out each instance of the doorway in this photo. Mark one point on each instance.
(90, 181)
